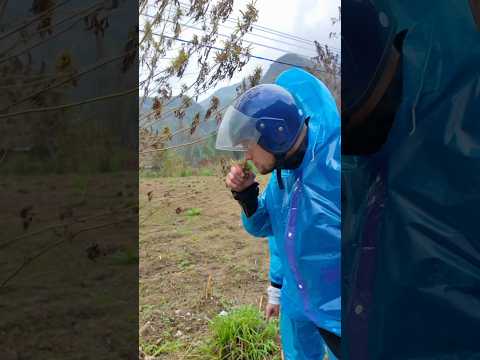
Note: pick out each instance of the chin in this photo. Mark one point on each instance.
(264, 171)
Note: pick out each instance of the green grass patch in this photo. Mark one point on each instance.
(149, 174)
(186, 172)
(168, 347)
(242, 334)
(184, 264)
(206, 172)
(146, 308)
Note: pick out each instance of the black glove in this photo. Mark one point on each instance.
(275, 285)
(248, 199)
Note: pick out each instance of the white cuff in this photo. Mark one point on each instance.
(273, 295)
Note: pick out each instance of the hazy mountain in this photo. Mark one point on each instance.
(276, 68)
(225, 94)
(228, 93)
(169, 119)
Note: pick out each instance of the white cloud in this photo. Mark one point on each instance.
(276, 14)
(316, 15)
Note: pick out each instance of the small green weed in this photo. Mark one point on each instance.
(206, 172)
(184, 264)
(242, 334)
(186, 172)
(167, 347)
(193, 212)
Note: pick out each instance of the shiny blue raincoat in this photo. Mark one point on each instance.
(300, 340)
(305, 216)
(411, 246)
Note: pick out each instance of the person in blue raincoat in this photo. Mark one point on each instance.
(292, 129)
(309, 337)
(410, 249)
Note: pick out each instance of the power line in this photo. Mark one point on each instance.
(272, 39)
(249, 41)
(79, 16)
(32, 83)
(145, 116)
(181, 145)
(220, 49)
(285, 35)
(267, 30)
(33, 19)
(255, 43)
(67, 106)
(271, 31)
(72, 77)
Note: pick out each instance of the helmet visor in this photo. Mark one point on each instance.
(237, 131)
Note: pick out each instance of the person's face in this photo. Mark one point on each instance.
(263, 160)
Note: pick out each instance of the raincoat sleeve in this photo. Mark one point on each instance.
(259, 224)
(275, 273)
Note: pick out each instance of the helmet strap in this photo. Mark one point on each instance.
(279, 163)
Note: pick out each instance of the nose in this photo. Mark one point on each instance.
(248, 155)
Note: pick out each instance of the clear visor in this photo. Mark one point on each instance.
(237, 131)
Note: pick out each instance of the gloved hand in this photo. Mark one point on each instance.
(248, 199)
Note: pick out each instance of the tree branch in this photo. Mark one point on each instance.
(60, 225)
(88, 10)
(72, 77)
(181, 145)
(54, 245)
(32, 20)
(67, 106)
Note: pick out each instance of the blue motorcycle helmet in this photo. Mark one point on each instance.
(371, 74)
(266, 115)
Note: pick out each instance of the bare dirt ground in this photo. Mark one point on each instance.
(68, 274)
(195, 261)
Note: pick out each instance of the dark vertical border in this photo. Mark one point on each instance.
(68, 179)
(410, 189)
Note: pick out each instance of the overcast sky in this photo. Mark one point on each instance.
(308, 19)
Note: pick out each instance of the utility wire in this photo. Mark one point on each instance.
(269, 30)
(72, 77)
(252, 42)
(181, 145)
(251, 55)
(32, 20)
(263, 29)
(67, 106)
(88, 10)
